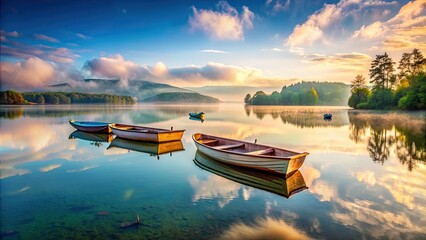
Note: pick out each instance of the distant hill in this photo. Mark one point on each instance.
(305, 93)
(135, 88)
(181, 97)
(230, 93)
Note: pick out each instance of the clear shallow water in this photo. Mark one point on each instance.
(365, 175)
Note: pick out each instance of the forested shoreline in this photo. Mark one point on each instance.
(12, 97)
(405, 90)
(303, 93)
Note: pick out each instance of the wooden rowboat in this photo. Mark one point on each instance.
(245, 154)
(273, 183)
(89, 126)
(140, 133)
(147, 147)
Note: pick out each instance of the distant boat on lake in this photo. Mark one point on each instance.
(328, 116)
(252, 155)
(147, 147)
(92, 137)
(199, 115)
(90, 126)
(140, 133)
(273, 183)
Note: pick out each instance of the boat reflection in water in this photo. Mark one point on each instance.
(273, 183)
(152, 148)
(197, 119)
(95, 138)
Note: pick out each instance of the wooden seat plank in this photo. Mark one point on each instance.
(261, 152)
(207, 141)
(224, 147)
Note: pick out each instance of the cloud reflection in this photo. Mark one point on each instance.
(216, 187)
(267, 228)
(50, 167)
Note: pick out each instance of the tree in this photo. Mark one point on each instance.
(260, 98)
(247, 99)
(40, 99)
(359, 91)
(360, 96)
(415, 97)
(411, 63)
(381, 99)
(358, 83)
(11, 97)
(275, 98)
(381, 72)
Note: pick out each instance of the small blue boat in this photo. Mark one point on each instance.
(328, 116)
(199, 115)
(88, 126)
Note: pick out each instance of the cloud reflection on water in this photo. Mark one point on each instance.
(264, 228)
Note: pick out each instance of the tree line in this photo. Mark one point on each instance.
(12, 97)
(390, 90)
(303, 93)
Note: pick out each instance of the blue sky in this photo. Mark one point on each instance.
(198, 43)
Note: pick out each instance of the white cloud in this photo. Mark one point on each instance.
(405, 30)
(212, 73)
(212, 51)
(332, 21)
(31, 73)
(4, 35)
(23, 51)
(272, 49)
(278, 5)
(82, 36)
(116, 67)
(223, 24)
(46, 38)
(374, 30)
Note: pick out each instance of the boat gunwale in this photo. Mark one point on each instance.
(156, 131)
(296, 156)
(96, 124)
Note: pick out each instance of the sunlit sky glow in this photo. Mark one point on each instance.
(203, 43)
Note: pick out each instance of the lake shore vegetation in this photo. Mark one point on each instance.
(405, 90)
(13, 97)
(303, 94)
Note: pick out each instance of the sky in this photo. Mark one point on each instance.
(267, 43)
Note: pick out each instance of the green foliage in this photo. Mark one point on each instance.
(410, 94)
(181, 97)
(362, 105)
(358, 83)
(415, 97)
(380, 99)
(247, 99)
(360, 95)
(11, 97)
(381, 72)
(411, 63)
(304, 93)
(74, 98)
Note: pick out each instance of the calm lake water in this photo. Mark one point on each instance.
(365, 175)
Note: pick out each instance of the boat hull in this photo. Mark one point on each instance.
(197, 115)
(148, 147)
(273, 183)
(274, 164)
(156, 135)
(99, 127)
